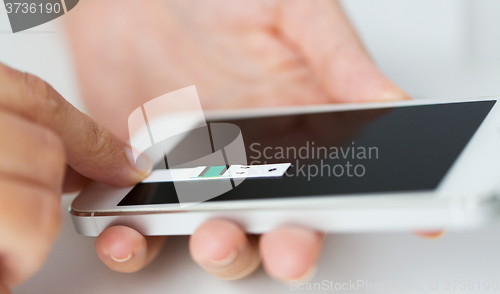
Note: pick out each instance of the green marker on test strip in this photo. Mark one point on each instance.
(213, 171)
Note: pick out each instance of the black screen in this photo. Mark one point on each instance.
(363, 151)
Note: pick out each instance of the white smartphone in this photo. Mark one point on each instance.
(407, 165)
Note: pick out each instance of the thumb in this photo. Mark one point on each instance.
(91, 150)
(330, 44)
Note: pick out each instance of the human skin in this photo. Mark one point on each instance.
(48, 147)
(238, 54)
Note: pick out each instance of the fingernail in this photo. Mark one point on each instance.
(311, 272)
(219, 263)
(120, 260)
(431, 235)
(143, 164)
(307, 277)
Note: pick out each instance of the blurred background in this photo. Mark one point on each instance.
(430, 48)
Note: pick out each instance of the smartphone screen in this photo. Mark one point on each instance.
(394, 149)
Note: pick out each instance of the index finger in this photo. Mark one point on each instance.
(91, 150)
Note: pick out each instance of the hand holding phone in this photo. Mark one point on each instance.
(280, 53)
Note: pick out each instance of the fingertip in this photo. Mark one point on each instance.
(223, 250)
(290, 253)
(372, 86)
(393, 93)
(216, 240)
(119, 242)
(121, 248)
(142, 165)
(381, 88)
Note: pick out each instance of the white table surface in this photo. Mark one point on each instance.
(426, 47)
